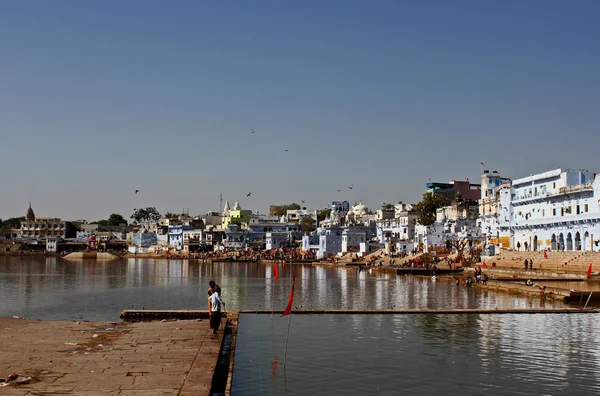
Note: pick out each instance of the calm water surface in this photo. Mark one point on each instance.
(57, 289)
(332, 354)
(419, 355)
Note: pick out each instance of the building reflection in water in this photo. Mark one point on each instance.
(33, 283)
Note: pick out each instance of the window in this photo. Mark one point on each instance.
(578, 211)
(554, 185)
(543, 212)
(562, 211)
(553, 212)
(585, 208)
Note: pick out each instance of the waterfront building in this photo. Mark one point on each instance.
(52, 244)
(489, 205)
(38, 227)
(175, 234)
(192, 240)
(399, 228)
(352, 237)
(557, 210)
(276, 240)
(144, 239)
(455, 222)
(327, 242)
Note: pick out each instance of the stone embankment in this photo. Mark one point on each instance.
(91, 256)
(102, 358)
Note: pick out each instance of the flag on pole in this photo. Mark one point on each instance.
(484, 265)
(590, 270)
(288, 309)
(275, 270)
(545, 255)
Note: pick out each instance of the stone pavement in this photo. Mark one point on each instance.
(102, 358)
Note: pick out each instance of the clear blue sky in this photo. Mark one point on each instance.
(99, 98)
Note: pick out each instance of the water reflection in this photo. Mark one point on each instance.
(57, 289)
(420, 354)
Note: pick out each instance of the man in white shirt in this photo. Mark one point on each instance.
(214, 309)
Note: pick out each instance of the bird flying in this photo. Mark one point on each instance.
(251, 130)
(339, 190)
(351, 187)
(286, 150)
(137, 191)
(247, 195)
(303, 201)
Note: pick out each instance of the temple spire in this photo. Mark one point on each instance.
(30, 216)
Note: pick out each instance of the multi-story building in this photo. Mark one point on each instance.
(489, 204)
(557, 210)
(466, 190)
(352, 237)
(38, 227)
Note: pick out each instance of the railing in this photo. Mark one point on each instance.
(576, 188)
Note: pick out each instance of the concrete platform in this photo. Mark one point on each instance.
(155, 314)
(101, 358)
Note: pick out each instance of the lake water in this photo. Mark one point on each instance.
(57, 289)
(332, 354)
(418, 355)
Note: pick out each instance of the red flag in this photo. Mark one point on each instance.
(288, 309)
(275, 271)
(545, 255)
(590, 270)
(484, 265)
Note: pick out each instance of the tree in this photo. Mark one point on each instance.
(145, 215)
(322, 214)
(426, 209)
(282, 209)
(306, 224)
(13, 222)
(116, 219)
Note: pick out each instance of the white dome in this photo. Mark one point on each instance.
(360, 210)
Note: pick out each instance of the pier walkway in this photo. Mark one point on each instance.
(102, 358)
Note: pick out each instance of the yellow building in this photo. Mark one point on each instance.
(234, 216)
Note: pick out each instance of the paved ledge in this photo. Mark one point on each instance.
(155, 314)
(103, 358)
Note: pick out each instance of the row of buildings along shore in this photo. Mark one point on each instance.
(557, 210)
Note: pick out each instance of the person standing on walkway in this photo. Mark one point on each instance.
(214, 310)
(531, 265)
(526, 264)
(213, 287)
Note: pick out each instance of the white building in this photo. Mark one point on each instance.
(327, 241)
(455, 222)
(352, 237)
(557, 210)
(297, 214)
(489, 204)
(275, 240)
(52, 244)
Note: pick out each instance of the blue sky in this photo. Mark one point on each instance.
(99, 98)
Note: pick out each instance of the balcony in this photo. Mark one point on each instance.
(542, 196)
(575, 189)
(555, 220)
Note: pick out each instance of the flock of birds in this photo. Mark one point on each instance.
(252, 131)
